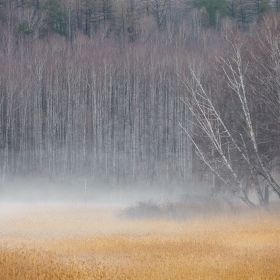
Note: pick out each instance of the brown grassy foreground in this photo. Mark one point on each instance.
(89, 243)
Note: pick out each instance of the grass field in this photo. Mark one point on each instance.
(63, 242)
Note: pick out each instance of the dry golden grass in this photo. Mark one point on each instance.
(88, 243)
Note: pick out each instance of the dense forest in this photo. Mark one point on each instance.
(159, 91)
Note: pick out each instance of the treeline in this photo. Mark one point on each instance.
(83, 95)
(127, 20)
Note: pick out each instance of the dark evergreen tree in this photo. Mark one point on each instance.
(215, 8)
(56, 17)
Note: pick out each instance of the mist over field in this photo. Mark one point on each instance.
(34, 190)
(139, 139)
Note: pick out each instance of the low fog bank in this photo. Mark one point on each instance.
(37, 207)
(40, 190)
(32, 190)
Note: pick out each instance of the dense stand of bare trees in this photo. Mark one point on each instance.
(92, 109)
(128, 91)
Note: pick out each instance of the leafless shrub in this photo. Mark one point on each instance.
(190, 207)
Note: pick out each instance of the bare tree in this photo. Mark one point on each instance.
(237, 152)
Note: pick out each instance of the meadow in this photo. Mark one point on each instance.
(87, 242)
